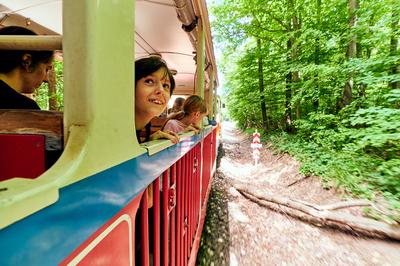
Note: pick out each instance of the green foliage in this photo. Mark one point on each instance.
(320, 129)
(375, 131)
(305, 69)
(360, 152)
(387, 176)
(42, 94)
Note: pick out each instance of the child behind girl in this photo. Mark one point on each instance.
(177, 107)
(189, 119)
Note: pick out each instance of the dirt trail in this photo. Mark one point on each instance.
(240, 232)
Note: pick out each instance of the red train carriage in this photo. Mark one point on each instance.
(107, 200)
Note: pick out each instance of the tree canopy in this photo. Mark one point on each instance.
(329, 80)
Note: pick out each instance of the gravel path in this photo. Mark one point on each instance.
(240, 232)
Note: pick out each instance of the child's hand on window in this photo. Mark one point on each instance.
(172, 136)
(192, 128)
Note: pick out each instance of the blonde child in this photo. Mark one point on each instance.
(189, 119)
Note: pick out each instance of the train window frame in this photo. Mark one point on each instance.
(104, 177)
(155, 146)
(84, 118)
(86, 92)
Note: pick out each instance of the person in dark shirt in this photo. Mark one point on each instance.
(21, 71)
(154, 85)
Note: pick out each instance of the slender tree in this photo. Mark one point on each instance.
(394, 41)
(261, 86)
(351, 53)
(315, 99)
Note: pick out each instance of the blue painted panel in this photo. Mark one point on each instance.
(50, 235)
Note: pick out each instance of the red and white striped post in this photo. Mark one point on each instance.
(256, 146)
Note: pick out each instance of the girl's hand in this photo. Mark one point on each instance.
(172, 136)
(192, 128)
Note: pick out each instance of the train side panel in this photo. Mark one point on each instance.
(94, 219)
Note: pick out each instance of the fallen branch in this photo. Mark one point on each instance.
(280, 156)
(298, 180)
(337, 205)
(347, 204)
(322, 216)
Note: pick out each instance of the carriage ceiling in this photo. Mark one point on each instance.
(157, 30)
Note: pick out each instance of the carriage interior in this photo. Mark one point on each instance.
(37, 138)
(81, 173)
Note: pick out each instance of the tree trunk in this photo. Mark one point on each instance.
(295, 53)
(362, 86)
(289, 75)
(52, 90)
(288, 96)
(315, 100)
(351, 53)
(368, 50)
(261, 87)
(394, 43)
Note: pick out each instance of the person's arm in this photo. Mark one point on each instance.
(165, 134)
(173, 125)
(192, 128)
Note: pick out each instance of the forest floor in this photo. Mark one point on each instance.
(238, 231)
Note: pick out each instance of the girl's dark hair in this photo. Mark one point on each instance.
(10, 59)
(149, 65)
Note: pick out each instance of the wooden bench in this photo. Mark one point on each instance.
(30, 142)
(157, 123)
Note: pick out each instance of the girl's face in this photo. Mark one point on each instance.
(197, 118)
(152, 96)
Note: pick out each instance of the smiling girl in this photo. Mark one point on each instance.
(154, 85)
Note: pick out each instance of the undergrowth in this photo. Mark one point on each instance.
(358, 152)
(362, 175)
